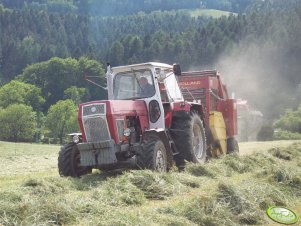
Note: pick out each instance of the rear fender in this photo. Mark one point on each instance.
(181, 106)
(198, 109)
(161, 133)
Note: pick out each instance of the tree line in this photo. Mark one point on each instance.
(29, 36)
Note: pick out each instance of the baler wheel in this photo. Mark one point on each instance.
(69, 160)
(232, 146)
(153, 154)
(190, 139)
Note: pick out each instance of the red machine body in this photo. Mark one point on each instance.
(180, 117)
(114, 113)
(206, 88)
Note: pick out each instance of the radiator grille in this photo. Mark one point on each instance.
(96, 129)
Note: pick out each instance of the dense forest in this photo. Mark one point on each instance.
(123, 7)
(50, 44)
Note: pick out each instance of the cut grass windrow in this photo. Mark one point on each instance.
(232, 190)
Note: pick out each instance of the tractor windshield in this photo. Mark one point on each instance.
(134, 84)
(172, 87)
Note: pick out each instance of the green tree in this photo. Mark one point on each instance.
(290, 121)
(90, 67)
(136, 46)
(16, 92)
(40, 128)
(117, 53)
(28, 50)
(62, 119)
(17, 122)
(75, 94)
(56, 75)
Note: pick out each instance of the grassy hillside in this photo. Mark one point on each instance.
(208, 13)
(200, 12)
(232, 190)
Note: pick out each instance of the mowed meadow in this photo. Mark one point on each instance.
(232, 190)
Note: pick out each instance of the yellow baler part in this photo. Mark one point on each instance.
(218, 128)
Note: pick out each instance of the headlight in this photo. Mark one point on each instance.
(127, 132)
(75, 139)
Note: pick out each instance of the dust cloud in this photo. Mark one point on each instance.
(257, 72)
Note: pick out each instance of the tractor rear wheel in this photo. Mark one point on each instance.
(153, 154)
(69, 162)
(189, 136)
(232, 146)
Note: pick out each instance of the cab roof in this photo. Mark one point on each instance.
(142, 65)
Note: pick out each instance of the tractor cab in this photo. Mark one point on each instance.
(155, 83)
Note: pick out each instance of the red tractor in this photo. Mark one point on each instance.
(154, 116)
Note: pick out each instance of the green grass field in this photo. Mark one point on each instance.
(208, 13)
(233, 190)
(200, 12)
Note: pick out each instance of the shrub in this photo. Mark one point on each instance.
(290, 121)
(286, 135)
(17, 122)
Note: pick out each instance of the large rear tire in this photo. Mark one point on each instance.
(69, 162)
(153, 154)
(189, 136)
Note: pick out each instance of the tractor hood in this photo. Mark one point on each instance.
(105, 120)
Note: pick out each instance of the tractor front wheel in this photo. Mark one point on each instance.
(69, 162)
(153, 154)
